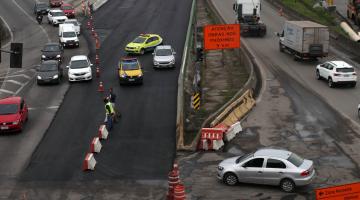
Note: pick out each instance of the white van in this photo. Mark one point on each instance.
(68, 36)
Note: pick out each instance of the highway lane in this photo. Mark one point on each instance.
(142, 145)
(43, 102)
(267, 49)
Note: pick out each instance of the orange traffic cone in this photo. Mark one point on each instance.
(281, 13)
(88, 25)
(97, 60)
(101, 87)
(179, 192)
(97, 72)
(173, 181)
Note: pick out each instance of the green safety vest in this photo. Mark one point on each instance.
(111, 108)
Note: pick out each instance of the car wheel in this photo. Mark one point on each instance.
(353, 84)
(142, 51)
(287, 185)
(318, 77)
(230, 179)
(330, 83)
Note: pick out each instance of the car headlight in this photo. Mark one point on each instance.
(220, 168)
(56, 76)
(140, 75)
(43, 56)
(57, 56)
(156, 62)
(122, 75)
(39, 77)
(15, 122)
(172, 61)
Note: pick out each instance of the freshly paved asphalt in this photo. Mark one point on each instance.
(142, 145)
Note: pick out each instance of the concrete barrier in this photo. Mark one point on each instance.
(95, 146)
(103, 132)
(89, 162)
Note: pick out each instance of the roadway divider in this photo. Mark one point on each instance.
(89, 162)
(95, 146)
(103, 132)
(252, 84)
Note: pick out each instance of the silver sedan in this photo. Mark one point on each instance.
(268, 166)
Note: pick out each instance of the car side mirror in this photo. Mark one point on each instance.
(91, 64)
(153, 53)
(174, 53)
(277, 34)
(67, 67)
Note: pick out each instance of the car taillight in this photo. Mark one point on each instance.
(336, 74)
(305, 173)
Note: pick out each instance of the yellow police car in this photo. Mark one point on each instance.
(143, 43)
(130, 71)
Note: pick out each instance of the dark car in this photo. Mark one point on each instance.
(52, 51)
(55, 3)
(41, 7)
(49, 72)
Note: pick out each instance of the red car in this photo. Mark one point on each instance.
(13, 114)
(55, 3)
(68, 9)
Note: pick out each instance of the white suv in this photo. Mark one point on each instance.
(164, 56)
(79, 68)
(336, 72)
(56, 17)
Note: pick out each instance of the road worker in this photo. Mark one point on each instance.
(110, 113)
(112, 99)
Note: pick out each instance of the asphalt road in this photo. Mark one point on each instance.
(16, 149)
(142, 145)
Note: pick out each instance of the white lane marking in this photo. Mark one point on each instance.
(6, 91)
(49, 107)
(15, 82)
(11, 33)
(31, 18)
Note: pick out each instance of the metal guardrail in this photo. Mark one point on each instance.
(180, 96)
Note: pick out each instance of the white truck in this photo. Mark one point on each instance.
(248, 15)
(68, 36)
(304, 40)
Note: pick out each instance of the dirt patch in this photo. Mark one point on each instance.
(223, 74)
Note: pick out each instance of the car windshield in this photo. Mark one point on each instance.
(139, 40)
(69, 34)
(71, 22)
(48, 67)
(295, 159)
(7, 109)
(67, 8)
(345, 69)
(58, 14)
(130, 65)
(163, 52)
(243, 157)
(77, 64)
(51, 48)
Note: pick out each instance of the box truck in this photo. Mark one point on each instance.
(304, 39)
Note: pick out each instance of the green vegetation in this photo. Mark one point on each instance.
(305, 7)
(318, 14)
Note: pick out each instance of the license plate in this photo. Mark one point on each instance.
(4, 127)
(131, 79)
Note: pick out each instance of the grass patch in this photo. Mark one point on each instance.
(305, 7)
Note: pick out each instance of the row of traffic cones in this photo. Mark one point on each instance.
(176, 190)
